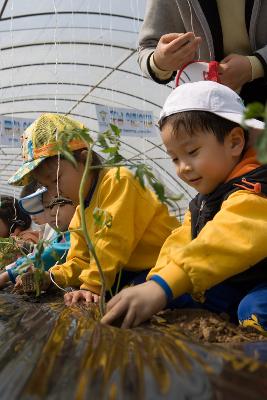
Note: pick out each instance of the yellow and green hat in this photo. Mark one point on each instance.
(39, 142)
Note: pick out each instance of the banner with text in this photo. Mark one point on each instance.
(131, 122)
(11, 130)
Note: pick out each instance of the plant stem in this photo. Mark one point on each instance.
(85, 232)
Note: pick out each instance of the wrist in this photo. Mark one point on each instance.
(157, 294)
(257, 70)
(159, 72)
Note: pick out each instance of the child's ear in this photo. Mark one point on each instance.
(236, 139)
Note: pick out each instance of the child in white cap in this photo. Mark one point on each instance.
(216, 259)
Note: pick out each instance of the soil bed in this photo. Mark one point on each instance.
(206, 327)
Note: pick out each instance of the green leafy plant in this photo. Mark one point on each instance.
(257, 110)
(34, 269)
(10, 249)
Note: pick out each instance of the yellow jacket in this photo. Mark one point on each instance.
(140, 225)
(232, 242)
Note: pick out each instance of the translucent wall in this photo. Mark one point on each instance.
(70, 56)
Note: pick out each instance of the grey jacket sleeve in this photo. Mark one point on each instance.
(258, 33)
(161, 17)
(261, 54)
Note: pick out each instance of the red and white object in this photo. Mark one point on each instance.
(198, 71)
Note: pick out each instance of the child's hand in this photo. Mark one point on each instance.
(79, 296)
(18, 288)
(176, 49)
(135, 304)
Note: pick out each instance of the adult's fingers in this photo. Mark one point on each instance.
(222, 67)
(187, 40)
(227, 58)
(169, 37)
(187, 50)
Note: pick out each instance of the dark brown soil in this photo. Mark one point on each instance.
(206, 327)
(198, 325)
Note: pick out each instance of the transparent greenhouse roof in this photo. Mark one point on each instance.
(74, 57)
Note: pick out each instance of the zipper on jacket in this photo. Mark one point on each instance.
(203, 202)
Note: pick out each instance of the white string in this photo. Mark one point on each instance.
(191, 22)
(56, 94)
(13, 97)
(52, 280)
(56, 48)
(73, 47)
(192, 26)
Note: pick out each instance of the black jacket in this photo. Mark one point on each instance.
(203, 208)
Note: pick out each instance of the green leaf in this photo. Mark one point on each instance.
(110, 150)
(139, 176)
(159, 190)
(102, 218)
(254, 110)
(69, 157)
(102, 141)
(261, 146)
(115, 130)
(84, 135)
(118, 173)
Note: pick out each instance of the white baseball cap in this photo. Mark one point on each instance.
(211, 97)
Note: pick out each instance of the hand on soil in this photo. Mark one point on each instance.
(80, 296)
(135, 304)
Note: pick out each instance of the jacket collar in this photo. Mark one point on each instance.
(248, 163)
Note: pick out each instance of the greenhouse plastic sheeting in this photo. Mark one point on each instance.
(48, 351)
(70, 56)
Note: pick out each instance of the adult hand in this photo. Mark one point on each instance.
(78, 296)
(176, 49)
(135, 304)
(234, 71)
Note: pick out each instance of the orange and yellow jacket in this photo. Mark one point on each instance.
(140, 225)
(232, 242)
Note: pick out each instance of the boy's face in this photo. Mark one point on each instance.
(61, 177)
(58, 216)
(201, 160)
